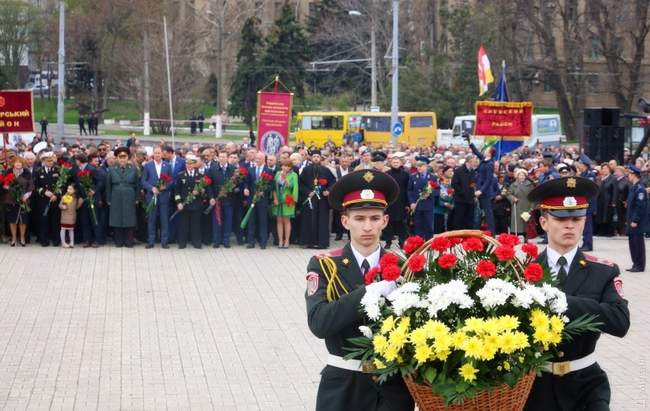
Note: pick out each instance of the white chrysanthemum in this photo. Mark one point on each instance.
(366, 331)
(495, 292)
(441, 296)
(370, 303)
(556, 298)
(527, 295)
(405, 297)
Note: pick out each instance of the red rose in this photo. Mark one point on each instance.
(289, 200)
(417, 263)
(530, 249)
(440, 244)
(434, 185)
(473, 244)
(207, 180)
(83, 173)
(165, 177)
(370, 275)
(504, 253)
(8, 179)
(390, 272)
(508, 239)
(413, 243)
(388, 259)
(322, 181)
(243, 171)
(486, 268)
(447, 261)
(266, 176)
(533, 272)
(450, 192)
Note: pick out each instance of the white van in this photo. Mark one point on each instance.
(547, 129)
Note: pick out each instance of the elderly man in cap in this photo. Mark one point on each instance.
(636, 219)
(335, 286)
(47, 210)
(190, 207)
(573, 380)
(315, 182)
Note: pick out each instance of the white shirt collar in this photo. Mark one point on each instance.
(373, 259)
(552, 256)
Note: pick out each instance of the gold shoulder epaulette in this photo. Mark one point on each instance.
(335, 287)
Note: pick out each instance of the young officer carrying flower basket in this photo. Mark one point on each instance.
(475, 318)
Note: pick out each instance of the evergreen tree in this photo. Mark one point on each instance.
(248, 76)
(287, 52)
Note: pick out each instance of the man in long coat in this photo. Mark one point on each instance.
(314, 185)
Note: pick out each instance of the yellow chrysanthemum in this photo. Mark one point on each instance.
(507, 343)
(468, 372)
(435, 328)
(488, 351)
(422, 353)
(443, 342)
(492, 326)
(418, 336)
(508, 322)
(521, 340)
(458, 339)
(538, 319)
(391, 352)
(387, 325)
(557, 325)
(473, 348)
(474, 324)
(379, 364)
(379, 343)
(404, 323)
(442, 355)
(398, 338)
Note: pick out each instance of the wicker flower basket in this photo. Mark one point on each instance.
(501, 398)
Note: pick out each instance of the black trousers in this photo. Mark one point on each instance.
(49, 225)
(189, 228)
(395, 228)
(463, 216)
(123, 236)
(637, 250)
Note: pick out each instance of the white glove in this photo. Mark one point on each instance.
(382, 288)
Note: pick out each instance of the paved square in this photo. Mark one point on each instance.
(137, 329)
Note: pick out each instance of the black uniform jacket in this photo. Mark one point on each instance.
(593, 286)
(336, 321)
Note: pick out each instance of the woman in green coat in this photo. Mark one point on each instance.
(121, 193)
(284, 201)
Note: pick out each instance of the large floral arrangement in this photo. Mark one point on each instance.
(470, 312)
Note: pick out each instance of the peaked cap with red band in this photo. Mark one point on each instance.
(564, 197)
(364, 189)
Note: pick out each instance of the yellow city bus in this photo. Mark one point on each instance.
(419, 128)
(316, 127)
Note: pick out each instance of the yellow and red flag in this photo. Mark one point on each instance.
(484, 71)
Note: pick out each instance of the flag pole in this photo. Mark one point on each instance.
(169, 82)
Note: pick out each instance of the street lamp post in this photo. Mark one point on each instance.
(373, 58)
(395, 72)
(60, 107)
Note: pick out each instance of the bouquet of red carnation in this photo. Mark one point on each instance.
(426, 192)
(228, 187)
(163, 181)
(199, 188)
(260, 188)
(86, 181)
(10, 182)
(64, 177)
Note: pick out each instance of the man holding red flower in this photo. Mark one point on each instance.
(259, 219)
(189, 202)
(315, 182)
(158, 184)
(422, 190)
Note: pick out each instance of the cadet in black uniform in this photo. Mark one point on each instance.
(190, 216)
(636, 220)
(574, 380)
(48, 215)
(335, 286)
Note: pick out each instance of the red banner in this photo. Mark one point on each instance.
(16, 111)
(273, 120)
(496, 118)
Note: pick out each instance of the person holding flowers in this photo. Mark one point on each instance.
(259, 187)
(90, 183)
(226, 179)
(422, 189)
(69, 205)
(336, 285)
(47, 212)
(18, 182)
(315, 181)
(285, 196)
(191, 188)
(122, 189)
(573, 380)
(158, 185)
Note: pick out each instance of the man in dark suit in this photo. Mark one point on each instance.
(259, 216)
(464, 184)
(362, 198)
(221, 173)
(486, 184)
(91, 229)
(189, 225)
(636, 220)
(239, 201)
(177, 164)
(422, 188)
(153, 173)
(45, 178)
(398, 211)
(573, 380)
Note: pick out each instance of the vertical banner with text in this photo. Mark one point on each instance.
(273, 120)
(16, 111)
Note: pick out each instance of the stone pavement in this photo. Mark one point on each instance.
(137, 329)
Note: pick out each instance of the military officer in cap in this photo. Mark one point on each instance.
(636, 219)
(584, 165)
(421, 192)
(335, 286)
(45, 178)
(573, 380)
(189, 226)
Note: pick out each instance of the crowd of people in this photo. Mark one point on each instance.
(206, 194)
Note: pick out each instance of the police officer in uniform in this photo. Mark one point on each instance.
(573, 380)
(335, 286)
(588, 234)
(636, 220)
(421, 199)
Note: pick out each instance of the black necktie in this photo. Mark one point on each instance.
(561, 273)
(365, 266)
